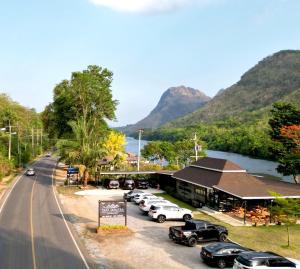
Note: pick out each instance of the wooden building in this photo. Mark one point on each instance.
(223, 185)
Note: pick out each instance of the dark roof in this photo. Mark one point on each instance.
(216, 164)
(205, 178)
(230, 178)
(246, 186)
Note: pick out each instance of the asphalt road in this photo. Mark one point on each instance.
(33, 233)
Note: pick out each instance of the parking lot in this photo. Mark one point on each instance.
(148, 247)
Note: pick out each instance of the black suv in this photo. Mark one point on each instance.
(221, 254)
(142, 183)
(249, 260)
(197, 231)
(128, 184)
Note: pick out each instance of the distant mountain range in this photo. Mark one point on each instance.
(275, 78)
(175, 102)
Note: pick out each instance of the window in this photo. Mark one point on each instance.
(280, 263)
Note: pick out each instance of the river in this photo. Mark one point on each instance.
(253, 166)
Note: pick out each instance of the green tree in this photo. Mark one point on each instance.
(285, 211)
(284, 149)
(80, 109)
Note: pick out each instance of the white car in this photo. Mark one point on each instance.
(145, 206)
(139, 197)
(264, 260)
(161, 213)
(30, 172)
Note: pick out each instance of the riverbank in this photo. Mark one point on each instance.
(252, 165)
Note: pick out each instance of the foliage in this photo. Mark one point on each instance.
(86, 95)
(284, 122)
(22, 120)
(285, 211)
(178, 153)
(114, 146)
(78, 116)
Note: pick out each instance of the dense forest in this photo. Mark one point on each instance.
(21, 136)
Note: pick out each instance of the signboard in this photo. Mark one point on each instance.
(112, 209)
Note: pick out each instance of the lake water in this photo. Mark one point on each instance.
(250, 164)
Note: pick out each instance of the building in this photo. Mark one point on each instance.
(223, 185)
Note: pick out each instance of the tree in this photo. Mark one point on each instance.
(285, 210)
(80, 109)
(284, 122)
(114, 147)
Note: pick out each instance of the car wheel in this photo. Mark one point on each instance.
(223, 237)
(187, 217)
(161, 219)
(221, 263)
(170, 236)
(192, 242)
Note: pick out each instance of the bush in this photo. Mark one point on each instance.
(6, 167)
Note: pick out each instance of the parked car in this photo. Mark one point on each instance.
(129, 195)
(30, 172)
(128, 184)
(221, 254)
(146, 204)
(161, 213)
(112, 184)
(269, 260)
(142, 183)
(139, 197)
(48, 155)
(195, 231)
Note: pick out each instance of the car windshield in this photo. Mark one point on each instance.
(244, 261)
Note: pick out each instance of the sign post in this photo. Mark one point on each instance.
(112, 209)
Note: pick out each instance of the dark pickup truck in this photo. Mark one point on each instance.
(197, 231)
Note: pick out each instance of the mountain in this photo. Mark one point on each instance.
(275, 78)
(175, 102)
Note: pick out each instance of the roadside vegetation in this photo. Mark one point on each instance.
(21, 128)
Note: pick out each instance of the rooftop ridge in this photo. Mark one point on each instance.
(219, 170)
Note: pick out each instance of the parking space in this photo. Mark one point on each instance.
(148, 247)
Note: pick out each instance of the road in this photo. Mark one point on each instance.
(33, 232)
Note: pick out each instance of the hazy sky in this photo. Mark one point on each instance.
(150, 45)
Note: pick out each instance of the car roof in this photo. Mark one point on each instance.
(260, 255)
(223, 245)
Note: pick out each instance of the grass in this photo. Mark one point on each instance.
(108, 227)
(67, 190)
(264, 238)
(175, 201)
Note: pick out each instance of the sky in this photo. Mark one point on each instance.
(150, 45)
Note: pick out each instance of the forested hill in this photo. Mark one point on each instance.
(275, 78)
(174, 103)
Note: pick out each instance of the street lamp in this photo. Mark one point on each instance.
(139, 152)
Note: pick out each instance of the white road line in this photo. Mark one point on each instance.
(72, 237)
(31, 225)
(4, 202)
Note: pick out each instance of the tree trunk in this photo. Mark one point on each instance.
(296, 179)
(288, 234)
(85, 178)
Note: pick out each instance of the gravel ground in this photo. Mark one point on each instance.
(149, 246)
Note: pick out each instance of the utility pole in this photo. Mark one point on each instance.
(41, 141)
(32, 141)
(139, 152)
(196, 147)
(9, 142)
